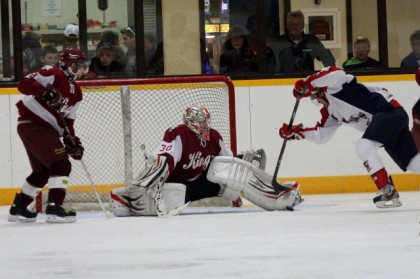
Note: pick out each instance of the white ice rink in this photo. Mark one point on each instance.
(328, 236)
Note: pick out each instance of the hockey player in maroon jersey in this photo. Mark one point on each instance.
(181, 172)
(49, 91)
(371, 110)
(416, 116)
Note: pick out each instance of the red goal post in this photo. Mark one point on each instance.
(121, 122)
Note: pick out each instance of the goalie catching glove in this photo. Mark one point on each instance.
(73, 146)
(52, 96)
(293, 133)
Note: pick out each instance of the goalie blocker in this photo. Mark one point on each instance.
(149, 195)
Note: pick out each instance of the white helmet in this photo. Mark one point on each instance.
(198, 120)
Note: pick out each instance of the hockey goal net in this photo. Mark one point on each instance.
(121, 122)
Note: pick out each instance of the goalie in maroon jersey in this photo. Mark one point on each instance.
(193, 163)
(48, 92)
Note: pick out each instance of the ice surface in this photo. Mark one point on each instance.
(328, 236)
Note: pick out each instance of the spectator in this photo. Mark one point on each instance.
(237, 54)
(416, 116)
(129, 40)
(103, 64)
(251, 26)
(32, 51)
(299, 50)
(111, 37)
(71, 34)
(49, 56)
(149, 47)
(156, 66)
(361, 59)
(413, 59)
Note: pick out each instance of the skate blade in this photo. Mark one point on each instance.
(389, 204)
(57, 219)
(20, 219)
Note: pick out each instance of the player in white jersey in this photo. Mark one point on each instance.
(192, 163)
(371, 110)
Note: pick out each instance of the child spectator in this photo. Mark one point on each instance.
(361, 59)
(49, 56)
(413, 59)
(111, 37)
(103, 64)
(237, 55)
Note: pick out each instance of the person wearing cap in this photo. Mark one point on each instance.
(71, 34)
(413, 59)
(129, 40)
(237, 54)
(103, 64)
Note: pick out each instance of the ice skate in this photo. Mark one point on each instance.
(57, 214)
(19, 213)
(387, 196)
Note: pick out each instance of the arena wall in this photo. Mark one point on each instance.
(261, 107)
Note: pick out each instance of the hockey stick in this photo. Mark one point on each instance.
(67, 130)
(276, 185)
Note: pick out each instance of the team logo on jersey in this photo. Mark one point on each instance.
(197, 161)
(47, 67)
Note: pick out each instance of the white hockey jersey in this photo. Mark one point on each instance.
(350, 103)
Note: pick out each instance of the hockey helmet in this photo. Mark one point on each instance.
(198, 120)
(73, 61)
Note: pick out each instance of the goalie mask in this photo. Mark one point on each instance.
(73, 61)
(198, 120)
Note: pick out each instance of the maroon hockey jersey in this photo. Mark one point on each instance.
(188, 155)
(33, 107)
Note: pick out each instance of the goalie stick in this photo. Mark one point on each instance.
(66, 128)
(276, 185)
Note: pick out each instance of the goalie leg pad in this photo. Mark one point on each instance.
(285, 200)
(239, 175)
(141, 201)
(229, 193)
(144, 200)
(119, 202)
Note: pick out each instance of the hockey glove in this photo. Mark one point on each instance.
(52, 96)
(73, 146)
(301, 89)
(294, 133)
(418, 76)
